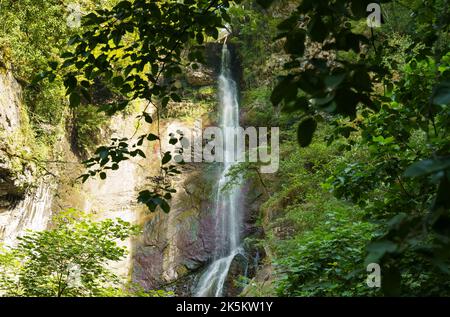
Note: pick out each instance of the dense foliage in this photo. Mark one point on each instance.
(390, 100)
(69, 260)
(318, 241)
(32, 34)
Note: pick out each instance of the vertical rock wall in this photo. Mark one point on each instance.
(12, 181)
(175, 245)
(25, 202)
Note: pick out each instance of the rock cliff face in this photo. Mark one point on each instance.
(114, 197)
(10, 102)
(24, 200)
(176, 244)
(14, 178)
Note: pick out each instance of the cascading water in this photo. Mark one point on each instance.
(228, 211)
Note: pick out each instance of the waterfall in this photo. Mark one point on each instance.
(227, 210)
(32, 213)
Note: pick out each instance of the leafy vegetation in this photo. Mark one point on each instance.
(316, 242)
(32, 34)
(68, 260)
(385, 90)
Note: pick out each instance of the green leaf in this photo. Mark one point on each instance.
(53, 65)
(442, 94)
(306, 131)
(117, 81)
(395, 221)
(200, 38)
(346, 102)
(322, 101)
(70, 82)
(116, 37)
(301, 104)
(390, 281)
(165, 101)
(288, 24)
(213, 32)
(359, 8)
(84, 177)
(39, 77)
(147, 117)
(317, 29)
(103, 175)
(427, 167)
(102, 152)
(140, 153)
(85, 84)
(295, 42)
(361, 80)
(378, 249)
(74, 99)
(166, 158)
(164, 206)
(66, 54)
(152, 137)
(333, 81)
(168, 196)
(226, 17)
(175, 97)
(265, 3)
(74, 39)
(86, 94)
(285, 89)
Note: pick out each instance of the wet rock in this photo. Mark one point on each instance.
(179, 243)
(238, 271)
(200, 77)
(147, 268)
(254, 196)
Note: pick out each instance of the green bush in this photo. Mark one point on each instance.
(68, 260)
(32, 34)
(317, 242)
(327, 260)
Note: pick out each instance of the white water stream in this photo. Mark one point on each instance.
(227, 211)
